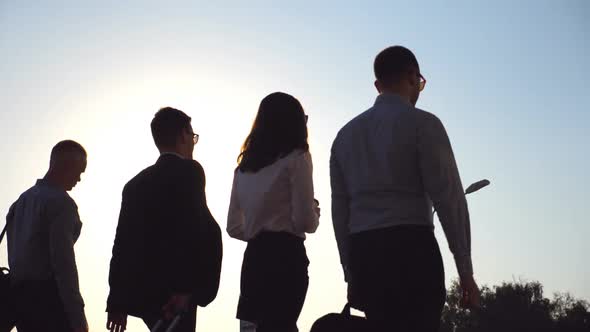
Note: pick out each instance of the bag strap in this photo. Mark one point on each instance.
(3, 232)
(346, 310)
(10, 215)
(3, 271)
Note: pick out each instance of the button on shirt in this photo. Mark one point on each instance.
(388, 166)
(277, 198)
(43, 225)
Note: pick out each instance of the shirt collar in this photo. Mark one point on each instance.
(390, 99)
(45, 183)
(172, 154)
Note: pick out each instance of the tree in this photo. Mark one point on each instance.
(570, 314)
(516, 306)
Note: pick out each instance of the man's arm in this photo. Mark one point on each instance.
(10, 213)
(185, 223)
(63, 262)
(442, 183)
(117, 276)
(340, 210)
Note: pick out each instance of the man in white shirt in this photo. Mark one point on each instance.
(388, 166)
(42, 226)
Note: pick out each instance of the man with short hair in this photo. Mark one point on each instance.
(166, 255)
(42, 226)
(388, 166)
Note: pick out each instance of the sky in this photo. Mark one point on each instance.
(507, 79)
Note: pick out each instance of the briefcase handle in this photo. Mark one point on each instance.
(170, 328)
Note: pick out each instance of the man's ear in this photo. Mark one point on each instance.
(181, 139)
(378, 86)
(412, 77)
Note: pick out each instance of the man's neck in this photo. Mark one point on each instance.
(52, 179)
(172, 152)
(399, 94)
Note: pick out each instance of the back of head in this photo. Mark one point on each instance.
(168, 123)
(67, 163)
(279, 128)
(65, 153)
(392, 64)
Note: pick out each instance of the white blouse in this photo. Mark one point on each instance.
(277, 198)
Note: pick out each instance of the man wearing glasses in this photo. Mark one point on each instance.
(167, 250)
(388, 166)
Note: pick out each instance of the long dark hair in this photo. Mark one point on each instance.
(279, 128)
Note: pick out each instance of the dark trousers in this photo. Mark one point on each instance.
(188, 322)
(38, 307)
(397, 277)
(274, 282)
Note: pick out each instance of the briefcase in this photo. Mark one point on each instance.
(342, 322)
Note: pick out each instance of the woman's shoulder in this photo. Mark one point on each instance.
(294, 157)
(298, 154)
(298, 157)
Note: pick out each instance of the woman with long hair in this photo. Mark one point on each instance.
(272, 207)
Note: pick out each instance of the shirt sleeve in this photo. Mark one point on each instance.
(118, 278)
(63, 262)
(443, 184)
(303, 213)
(187, 219)
(340, 209)
(235, 216)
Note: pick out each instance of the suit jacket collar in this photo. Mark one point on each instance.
(169, 156)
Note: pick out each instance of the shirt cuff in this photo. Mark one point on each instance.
(464, 265)
(115, 303)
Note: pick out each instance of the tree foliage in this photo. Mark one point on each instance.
(516, 306)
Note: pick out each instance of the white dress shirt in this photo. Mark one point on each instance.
(277, 198)
(388, 166)
(43, 226)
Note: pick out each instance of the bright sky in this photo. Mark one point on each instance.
(508, 80)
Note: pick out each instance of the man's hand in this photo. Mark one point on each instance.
(177, 303)
(116, 322)
(316, 207)
(469, 293)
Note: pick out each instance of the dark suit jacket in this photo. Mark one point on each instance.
(156, 249)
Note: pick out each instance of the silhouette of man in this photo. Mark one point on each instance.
(388, 166)
(42, 226)
(156, 266)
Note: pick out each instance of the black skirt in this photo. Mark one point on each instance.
(274, 279)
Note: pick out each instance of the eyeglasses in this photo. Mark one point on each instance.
(195, 138)
(422, 81)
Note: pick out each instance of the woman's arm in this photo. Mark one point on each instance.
(235, 216)
(304, 212)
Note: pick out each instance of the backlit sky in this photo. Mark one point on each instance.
(508, 80)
